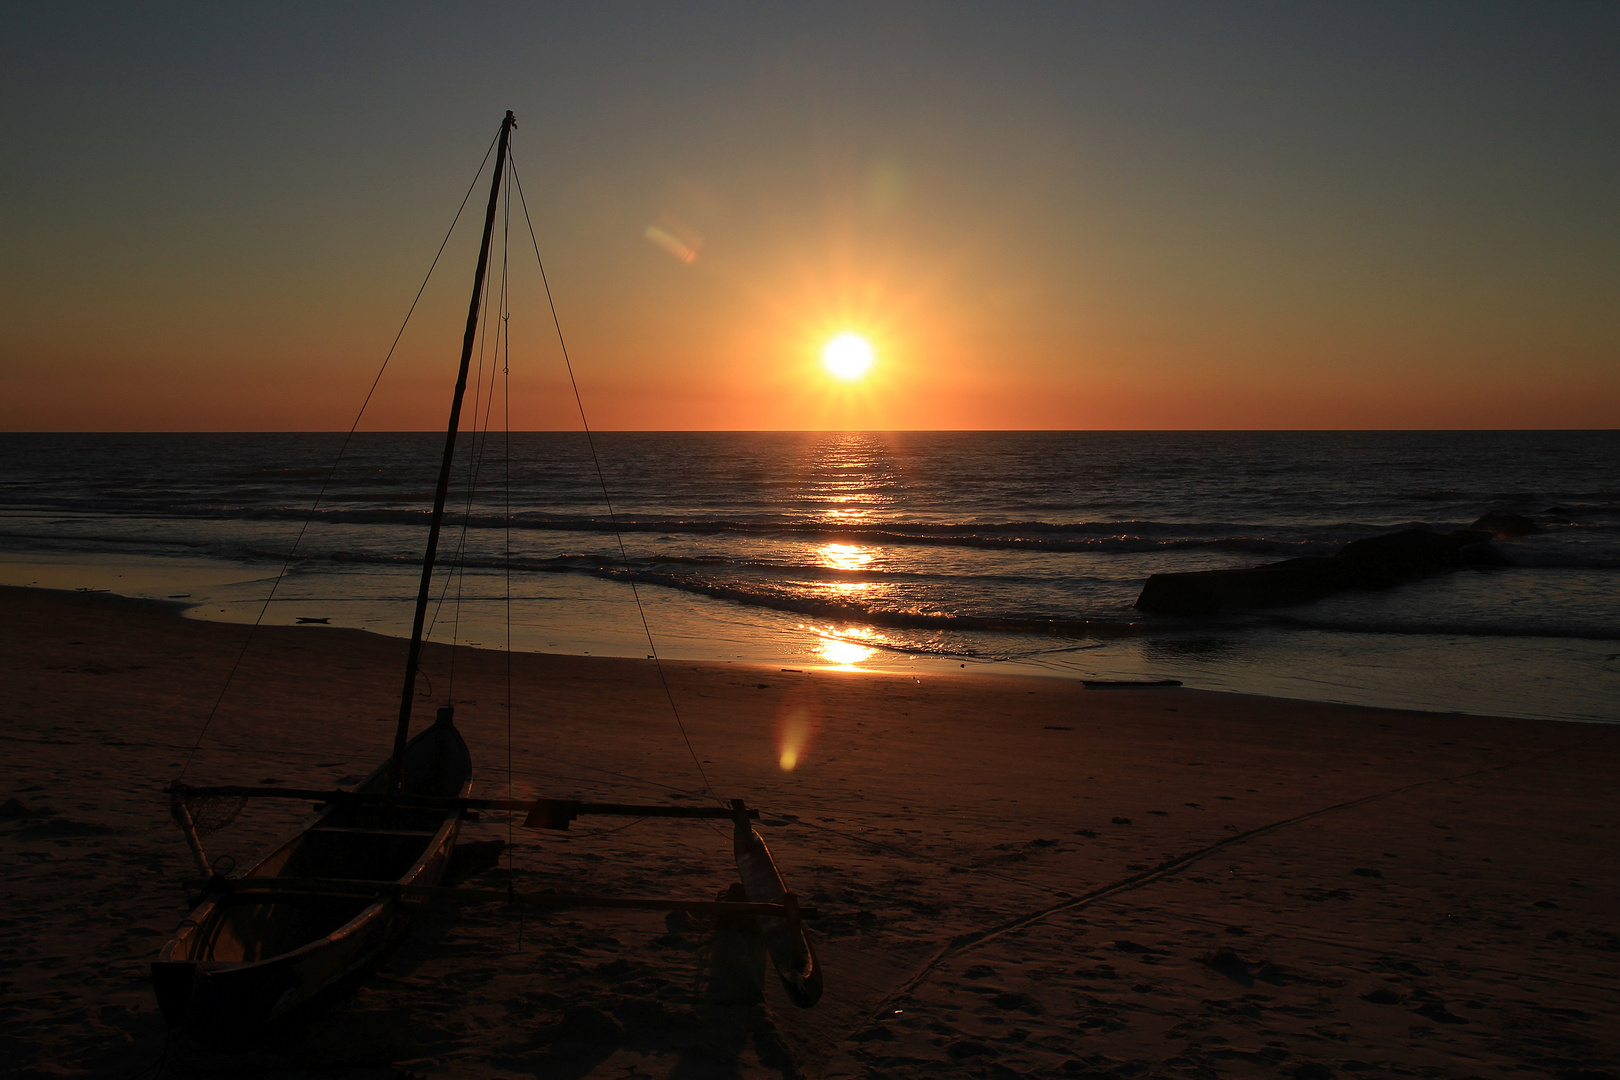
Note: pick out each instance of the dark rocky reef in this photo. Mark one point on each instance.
(1377, 562)
(1504, 525)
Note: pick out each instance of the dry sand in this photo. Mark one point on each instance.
(1018, 877)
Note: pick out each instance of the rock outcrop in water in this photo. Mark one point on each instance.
(1504, 525)
(1377, 562)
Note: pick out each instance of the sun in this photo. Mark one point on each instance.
(847, 356)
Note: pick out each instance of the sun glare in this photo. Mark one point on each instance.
(847, 356)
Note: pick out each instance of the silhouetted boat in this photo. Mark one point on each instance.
(245, 959)
(275, 940)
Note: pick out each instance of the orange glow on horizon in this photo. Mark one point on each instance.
(742, 236)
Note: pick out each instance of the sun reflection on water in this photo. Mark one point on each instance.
(845, 556)
(850, 479)
(845, 653)
(843, 649)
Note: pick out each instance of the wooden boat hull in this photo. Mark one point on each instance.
(243, 964)
(785, 940)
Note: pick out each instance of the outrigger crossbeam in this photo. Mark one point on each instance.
(542, 813)
(767, 900)
(283, 886)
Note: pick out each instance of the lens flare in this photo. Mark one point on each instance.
(675, 238)
(792, 738)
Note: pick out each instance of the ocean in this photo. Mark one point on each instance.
(1018, 552)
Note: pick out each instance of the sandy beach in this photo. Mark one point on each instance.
(1016, 877)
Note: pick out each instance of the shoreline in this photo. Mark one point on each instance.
(1016, 875)
(812, 551)
(1428, 672)
(982, 669)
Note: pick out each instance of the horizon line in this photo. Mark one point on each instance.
(798, 431)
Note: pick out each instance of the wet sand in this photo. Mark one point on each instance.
(1017, 877)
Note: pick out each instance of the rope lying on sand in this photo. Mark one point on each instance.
(963, 943)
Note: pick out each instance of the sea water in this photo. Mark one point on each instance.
(1018, 552)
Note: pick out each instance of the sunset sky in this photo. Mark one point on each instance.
(1130, 215)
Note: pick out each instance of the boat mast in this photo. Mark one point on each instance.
(413, 658)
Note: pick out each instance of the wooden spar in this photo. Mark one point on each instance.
(553, 900)
(414, 656)
(182, 817)
(556, 812)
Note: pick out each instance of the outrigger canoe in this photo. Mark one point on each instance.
(266, 944)
(246, 960)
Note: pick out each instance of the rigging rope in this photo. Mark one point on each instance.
(331, 472)
(601, 480)
(456, 570)
(478, 447)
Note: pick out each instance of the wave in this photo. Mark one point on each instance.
(1457, 628)
(780, 593)
(772, 596)
(781, 596)
(1555, 559)
(849, 611)
(1099, 536)
(315, 473)
(583, 561)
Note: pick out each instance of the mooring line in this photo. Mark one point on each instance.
(963, 943)
(1383, 950)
